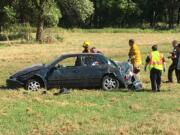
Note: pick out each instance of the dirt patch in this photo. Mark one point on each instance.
(122, 132)
(135, 107)
(178, 109)
(113, 99)
(3, 114)
(87, 104)
(172, 132)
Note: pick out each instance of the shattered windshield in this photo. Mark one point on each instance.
(111, 62)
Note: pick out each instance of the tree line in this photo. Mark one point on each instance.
(90, 13)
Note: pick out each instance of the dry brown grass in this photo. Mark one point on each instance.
(90, 112)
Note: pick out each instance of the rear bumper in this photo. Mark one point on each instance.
(14, 83)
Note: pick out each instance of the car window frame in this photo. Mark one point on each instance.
(68, 67)
(96, 56)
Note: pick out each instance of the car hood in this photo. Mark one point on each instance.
(124, 66)
(28, 70)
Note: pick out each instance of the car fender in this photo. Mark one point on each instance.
(111, 71)
(40, 77)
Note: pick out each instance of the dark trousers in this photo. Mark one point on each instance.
(155, 76)
(178, 76)
(172, 67)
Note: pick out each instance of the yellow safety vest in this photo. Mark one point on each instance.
(156, 60)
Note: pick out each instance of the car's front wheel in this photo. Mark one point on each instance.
(110, 83)
(33, 85)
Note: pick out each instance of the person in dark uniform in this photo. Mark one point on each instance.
(178, 65)
(173, 66)
(156, 63)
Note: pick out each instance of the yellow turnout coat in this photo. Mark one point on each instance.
(135, 55)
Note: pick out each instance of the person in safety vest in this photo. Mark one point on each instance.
(135, 56)
(86, 45)
(156, 64)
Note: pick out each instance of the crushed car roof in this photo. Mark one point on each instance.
(74, 54)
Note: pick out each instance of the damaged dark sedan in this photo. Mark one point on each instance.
(70, 71)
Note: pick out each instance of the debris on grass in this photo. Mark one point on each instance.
(29, 110)
(94, 119)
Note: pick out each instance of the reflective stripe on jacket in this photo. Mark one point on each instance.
(156, 60)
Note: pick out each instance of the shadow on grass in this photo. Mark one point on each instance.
(119, 90)
(136, 91)
(3, 87)
(125, 90)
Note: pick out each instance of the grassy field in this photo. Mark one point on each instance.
(88, 111)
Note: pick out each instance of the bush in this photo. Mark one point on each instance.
(25, 32)
(15, 32)
(59, 38)
(2, 37)
(51, 35)
(50, 39)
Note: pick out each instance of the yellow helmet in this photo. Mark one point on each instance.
(86, 44)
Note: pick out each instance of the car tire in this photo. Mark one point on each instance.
(110, 83)
(33, 85)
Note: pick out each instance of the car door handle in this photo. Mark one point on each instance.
(76, 71)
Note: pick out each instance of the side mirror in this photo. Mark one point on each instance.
(58, 66)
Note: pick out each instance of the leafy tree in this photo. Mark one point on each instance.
(46, 11)
(173, 7)
(76, 12)
(115, 12)
(91, 13)
(9, 15)
(9, 18)
(52, 16)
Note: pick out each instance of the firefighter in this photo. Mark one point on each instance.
(173, 66)
(86, 45)
(156, 63)
(135, 57)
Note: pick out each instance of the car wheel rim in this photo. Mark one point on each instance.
(110, 84)
(34, 86)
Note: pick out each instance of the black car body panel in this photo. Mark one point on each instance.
(28, 70)
(86, 73)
